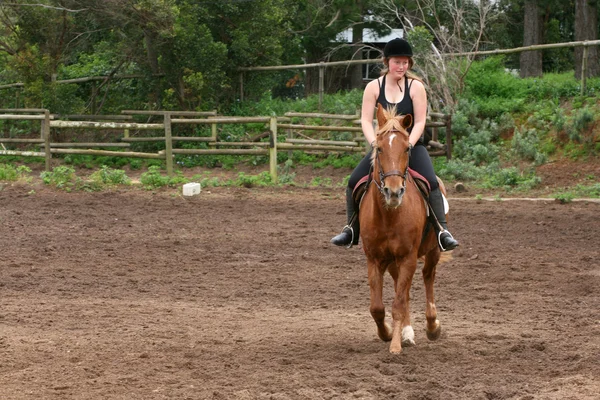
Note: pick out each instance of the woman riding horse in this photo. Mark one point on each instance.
(398, 88)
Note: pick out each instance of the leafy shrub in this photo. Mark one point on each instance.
(526, 146)
(62, 177)
(9, 172)
(262, 179)
(460, 170)
(493, 90)
(110, 177)
(285, 176)
(581, 121)
(477, 147)
(153, 179)
(510, 178)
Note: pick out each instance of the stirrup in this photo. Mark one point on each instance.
(348, 246)
(439, 238)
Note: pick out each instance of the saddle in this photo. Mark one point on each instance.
(420, 182)
(361, 187)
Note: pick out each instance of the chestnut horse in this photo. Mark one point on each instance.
(393, 220)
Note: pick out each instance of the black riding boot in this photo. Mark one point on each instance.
(445, 239)
(351, 232)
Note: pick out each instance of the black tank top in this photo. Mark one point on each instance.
(404, 107)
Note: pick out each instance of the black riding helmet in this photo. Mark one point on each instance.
(397, 48)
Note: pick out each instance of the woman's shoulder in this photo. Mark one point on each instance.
(415, 82)
(375, 82)
(415, 85)
(373, 86)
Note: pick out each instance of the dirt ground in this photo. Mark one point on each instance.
(237, 294)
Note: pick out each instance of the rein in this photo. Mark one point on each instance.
(394, 172)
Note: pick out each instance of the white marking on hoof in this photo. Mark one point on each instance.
(408, 336)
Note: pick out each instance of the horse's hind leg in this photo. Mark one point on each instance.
(377, 308)
(434, 328)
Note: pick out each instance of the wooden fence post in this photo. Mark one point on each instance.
(168, 144)
(242, 86)
(321, 84)
(273, 149)
(46, 137)
(584, 67)
(448, 136)
(213, 130)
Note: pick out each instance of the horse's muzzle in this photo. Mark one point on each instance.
(393, 198)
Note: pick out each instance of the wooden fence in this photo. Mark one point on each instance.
(323, 65)
(296, 137)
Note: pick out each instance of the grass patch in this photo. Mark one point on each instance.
(9, 172)
(580, 191)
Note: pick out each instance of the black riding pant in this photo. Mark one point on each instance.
(419, 161)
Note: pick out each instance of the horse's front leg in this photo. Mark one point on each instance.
(403, 332)
(434, 328)
(377, 308)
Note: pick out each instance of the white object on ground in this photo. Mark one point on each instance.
(191, 189)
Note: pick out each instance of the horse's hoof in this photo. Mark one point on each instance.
(436, 332)
(385, 335)
(395, 349)
(408, 336)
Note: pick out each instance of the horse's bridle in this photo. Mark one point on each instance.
(394, 172)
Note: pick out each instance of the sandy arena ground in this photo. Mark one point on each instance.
(237, 294)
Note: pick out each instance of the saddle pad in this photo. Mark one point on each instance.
(411, 171)
(420, 177)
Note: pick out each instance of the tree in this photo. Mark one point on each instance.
(586, 28)
(531, 61)
(438, 27)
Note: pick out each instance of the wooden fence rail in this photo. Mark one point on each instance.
(269, 147)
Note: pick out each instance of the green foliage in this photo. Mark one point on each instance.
(106, 176)
(581, 121)
(458, 170)
(591, 191)
(493, 90)
(475, 142)
(525, 145)
(284, 174)
(556, 60)
(9, 172)
(511, 178)
(153, 179)
(318, 181)
(61, 177)
(262, 179)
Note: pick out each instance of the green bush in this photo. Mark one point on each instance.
(62, 177)
(581, 121)
(525, 145)
(110, 177)
(477, 147)
(511, 178)
(9, 172)
(262, 179)
(153, 179)
(460, 170)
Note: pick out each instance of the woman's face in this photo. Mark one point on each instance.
(398, 66)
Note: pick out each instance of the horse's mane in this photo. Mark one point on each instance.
(392, 122)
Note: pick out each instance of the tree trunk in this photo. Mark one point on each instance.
(357, 45)
(531, 61)
(586, 28)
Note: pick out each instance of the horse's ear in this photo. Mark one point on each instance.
(407, 121)
(380, 115)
